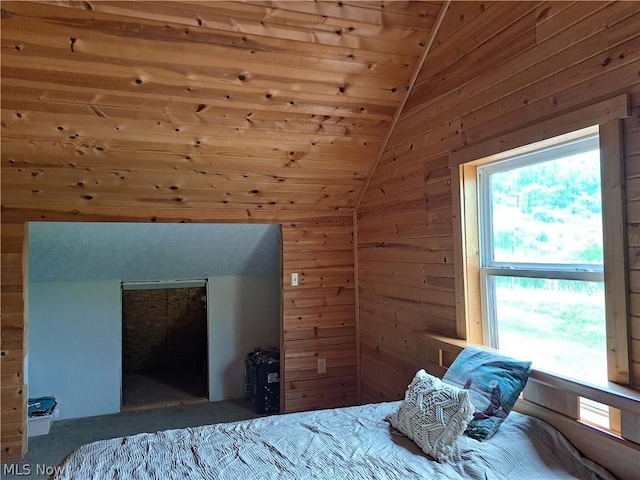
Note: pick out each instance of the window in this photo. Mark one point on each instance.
(541, 257)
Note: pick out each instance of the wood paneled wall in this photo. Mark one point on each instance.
(201, 104)
(273, 112)
(318, 315)
(495, 67)
(13, 438)
(202, 111)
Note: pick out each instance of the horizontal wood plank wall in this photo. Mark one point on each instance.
(13, 411)
(495, 67)
(274, 105)
(632, 173)
(318, 316)
(201, 111)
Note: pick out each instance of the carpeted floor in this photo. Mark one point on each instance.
(140, 389)
(47, 451)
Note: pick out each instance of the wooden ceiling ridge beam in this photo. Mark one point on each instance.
(396, 117)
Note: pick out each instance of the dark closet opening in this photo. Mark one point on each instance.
(164, 346)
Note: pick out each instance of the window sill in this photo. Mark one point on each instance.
(610, 394)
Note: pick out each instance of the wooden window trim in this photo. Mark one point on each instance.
(469, 324)
(616, 285)
(597, 114)
(606, 117)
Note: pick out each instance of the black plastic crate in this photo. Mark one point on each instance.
(248, 378)
(265, 381)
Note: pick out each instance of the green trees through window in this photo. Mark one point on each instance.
(542, 258)
(549, 212)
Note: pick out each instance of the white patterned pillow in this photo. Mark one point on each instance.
(433, 415)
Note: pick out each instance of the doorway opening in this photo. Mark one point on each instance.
(164, 344)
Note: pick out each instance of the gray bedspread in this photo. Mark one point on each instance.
(344, 443)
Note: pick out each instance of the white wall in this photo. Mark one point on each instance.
(75, 339)
(74, 335)
(243, 314)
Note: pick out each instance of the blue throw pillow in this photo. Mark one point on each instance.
(494, 382)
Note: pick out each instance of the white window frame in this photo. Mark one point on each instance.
(608, 115)
(489, 267)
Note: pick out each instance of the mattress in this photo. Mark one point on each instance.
(344, 443)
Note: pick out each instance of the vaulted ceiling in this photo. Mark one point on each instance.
(274, 105)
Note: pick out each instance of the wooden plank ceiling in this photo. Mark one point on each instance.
(226, 105)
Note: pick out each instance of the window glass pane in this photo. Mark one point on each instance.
(595, 413)
(558, 324)
(548, 212)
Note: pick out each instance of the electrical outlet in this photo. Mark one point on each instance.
(294, 279)
(322, 365)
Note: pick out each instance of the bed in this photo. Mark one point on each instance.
(356, 443)
(344, 443)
